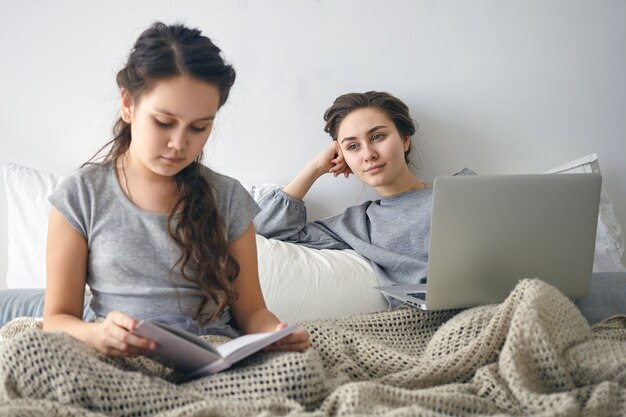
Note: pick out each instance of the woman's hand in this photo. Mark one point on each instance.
(114, 337)
(331, 160)
(296, 341)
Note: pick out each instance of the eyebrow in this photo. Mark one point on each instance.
(168, 113)
(368, 132)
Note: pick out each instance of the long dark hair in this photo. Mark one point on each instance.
(161, 52)
(392, 106)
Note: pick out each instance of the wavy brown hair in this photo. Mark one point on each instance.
(392, 106)
(162, 52)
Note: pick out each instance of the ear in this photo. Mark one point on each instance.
(126, 105)
(407, 143)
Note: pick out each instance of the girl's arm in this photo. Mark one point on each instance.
(66, 271)
(249, 310)
(329, 160)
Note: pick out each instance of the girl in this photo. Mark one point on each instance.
(153, 232)
(371, 135)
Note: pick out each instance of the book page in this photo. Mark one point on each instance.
(176, 348)
(246, 345)
(190, 337)
(231, 346)
(192, 355)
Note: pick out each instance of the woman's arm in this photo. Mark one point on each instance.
(249, 310)
(329, 160)
(283, 213)
(66, 271)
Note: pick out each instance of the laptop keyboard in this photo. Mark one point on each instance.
(419, 295)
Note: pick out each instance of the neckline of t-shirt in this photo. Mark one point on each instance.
(394, 199)
(124, 198)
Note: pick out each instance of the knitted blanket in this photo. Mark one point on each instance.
(533, 354)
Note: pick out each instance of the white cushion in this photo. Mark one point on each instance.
(609, 239)
(257, 191)
(300, 283)
(27, 192)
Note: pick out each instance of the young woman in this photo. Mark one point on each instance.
(371, 135)
(153, 232)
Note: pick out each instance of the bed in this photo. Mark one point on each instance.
(536, 353)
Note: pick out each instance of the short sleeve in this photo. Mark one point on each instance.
(235, 205)
(242, 209)
(71, 199)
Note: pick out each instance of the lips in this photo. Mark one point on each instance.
(374, 168)
(172, 160)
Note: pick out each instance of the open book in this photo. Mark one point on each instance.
(194, 356)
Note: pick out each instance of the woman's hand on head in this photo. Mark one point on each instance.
(331, 160)
(114, 337)
(297, 341)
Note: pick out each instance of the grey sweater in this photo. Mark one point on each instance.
(393, 232)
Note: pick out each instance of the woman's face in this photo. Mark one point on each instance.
(170, 123)
(374, 149)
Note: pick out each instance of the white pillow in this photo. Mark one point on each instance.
(609, 240)
(300, 283)
(257, 191)
(27, 192)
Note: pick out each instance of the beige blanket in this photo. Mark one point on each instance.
(534, 354)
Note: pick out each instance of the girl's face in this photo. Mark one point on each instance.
(374, 150)
(170, 124)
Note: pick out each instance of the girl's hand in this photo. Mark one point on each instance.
(296, 341)
(331, 160)
(114, 337)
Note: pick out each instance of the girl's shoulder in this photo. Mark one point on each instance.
(210, 174)
(92, 174)
(227, 189)
(221, 182)
(78, 195)
(91, 169)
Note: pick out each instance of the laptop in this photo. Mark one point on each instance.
(489, 232)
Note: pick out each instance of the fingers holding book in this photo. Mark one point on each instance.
(114, 336)
(297, 341)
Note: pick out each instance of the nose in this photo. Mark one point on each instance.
(177, 141)
(370, 153)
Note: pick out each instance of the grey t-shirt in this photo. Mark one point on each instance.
(131, 253)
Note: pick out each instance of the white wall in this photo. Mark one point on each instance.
(499, 86)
